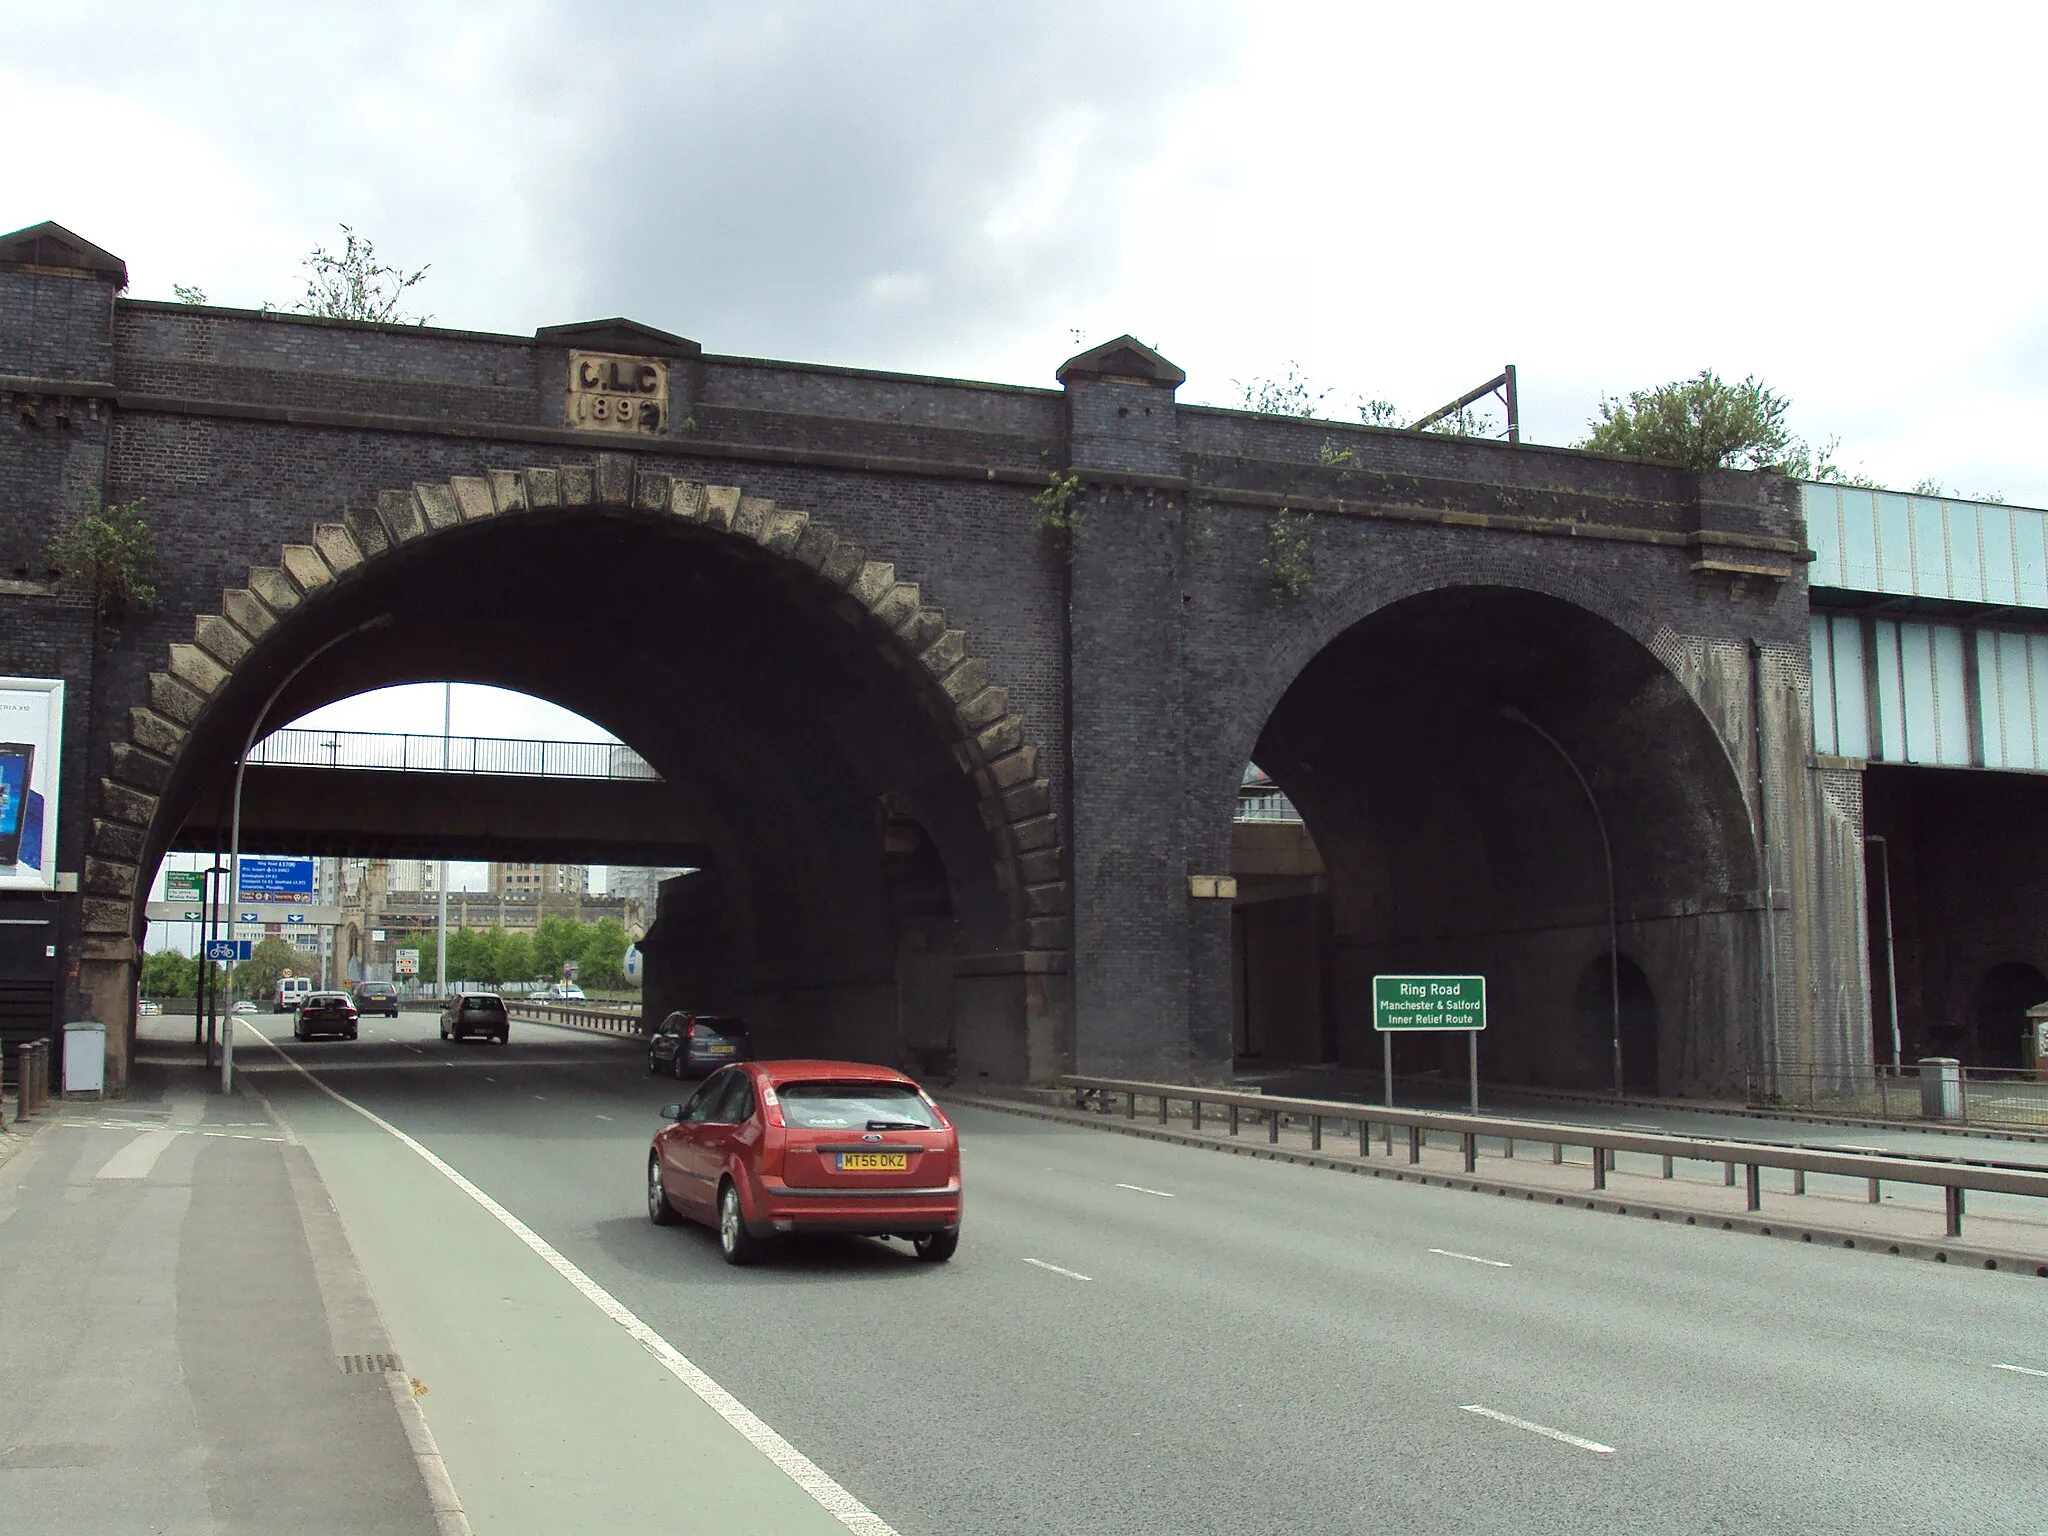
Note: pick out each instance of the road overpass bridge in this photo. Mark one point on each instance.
(970, 672)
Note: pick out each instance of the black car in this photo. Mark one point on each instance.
(476, 1013)
(691, 1044)
(377, 997)
(325, 1013)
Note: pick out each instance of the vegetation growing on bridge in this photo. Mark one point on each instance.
(1285, 564)
(1054, 512)
(113, 554)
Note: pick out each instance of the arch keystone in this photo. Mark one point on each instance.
(686, 500)
(873, 579)
(196, 670)
(275, 588)
(473, 497)
(782, 528)
(507, 493)
(438, 507)
(400, 514)
(721, 502)
(579, 485)
(751, 517)
(246, 612)
(543, 487)
(337, 547)
(220, 639)
(612, 480)
(367, 529)
(303, 564)
(651, 491)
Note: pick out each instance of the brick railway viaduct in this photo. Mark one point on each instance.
(960, 779)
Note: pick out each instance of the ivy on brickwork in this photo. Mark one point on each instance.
(1285, 563)
(1197, 531)
(1054, 513)
(112, 553)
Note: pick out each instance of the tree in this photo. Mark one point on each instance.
(257, 975)
(169, 973)
(1291, 395)
(111, 551)
(1701, 423)
(603, 960)
(351, 284)
(555, 940)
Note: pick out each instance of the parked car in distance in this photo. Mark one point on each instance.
(565, 992)
(376, 997)
(325, 1013)
(691, 1044)
(772, 1147)
(243, 1006)
(476, 1013)
(291, 991)
(149, 1008)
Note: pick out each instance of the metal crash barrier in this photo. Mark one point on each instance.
(1952, 1178)
(604, 1020)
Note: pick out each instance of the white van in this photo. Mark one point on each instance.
(291, 991)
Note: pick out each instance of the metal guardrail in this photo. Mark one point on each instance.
(1983, 1096)
(392, 752)
(603, 1020)
(1953, 1178)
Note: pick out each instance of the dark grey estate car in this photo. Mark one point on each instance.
(476, 1013)
(377, 997)
(691, 1044)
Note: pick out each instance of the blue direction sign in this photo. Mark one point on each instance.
(268, 879)
(228, 949)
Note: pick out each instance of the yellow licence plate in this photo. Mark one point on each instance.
(873, 1162)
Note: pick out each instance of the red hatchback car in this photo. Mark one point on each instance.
(773, 1147)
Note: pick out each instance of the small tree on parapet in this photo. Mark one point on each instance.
(351, 284)
(1700, 423)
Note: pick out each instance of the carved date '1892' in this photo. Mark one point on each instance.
(609, 393)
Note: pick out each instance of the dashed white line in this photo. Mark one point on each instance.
(604, 1117)
(1141, 1189)
(1538, 1429)
(1071, 1274)
(1473, 1258)
(2023, 1370)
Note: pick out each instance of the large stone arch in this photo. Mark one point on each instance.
(953, 688)
(1325, 615)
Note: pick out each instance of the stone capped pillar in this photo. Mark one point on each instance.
(1132, 933)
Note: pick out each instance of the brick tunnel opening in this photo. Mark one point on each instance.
(1430, 751)
(807, 766)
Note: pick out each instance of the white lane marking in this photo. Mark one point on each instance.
(604, 1117)
(2024, 1370)
(1069, 1273)
(799, 1468)
(1539, 1429)
(135, 1160)
(1141, 1189)
(1472, 1258)
(1623, 1125)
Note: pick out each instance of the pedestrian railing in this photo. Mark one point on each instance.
(388, 751)
(605, 1021)
(1952, 1177)
(1986, 1096)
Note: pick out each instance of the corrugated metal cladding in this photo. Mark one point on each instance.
(1927, 546)
(1942, 695)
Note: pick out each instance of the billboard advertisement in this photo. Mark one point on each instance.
(265, 879)
(31, 757)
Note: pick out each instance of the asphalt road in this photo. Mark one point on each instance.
(1140, 1338)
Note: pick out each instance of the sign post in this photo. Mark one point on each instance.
(1429, 1003)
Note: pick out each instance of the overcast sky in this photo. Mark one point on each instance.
(1844, 200)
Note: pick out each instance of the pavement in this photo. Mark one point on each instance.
(177, 1305)
(1135, 1337)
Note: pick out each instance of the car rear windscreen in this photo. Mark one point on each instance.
(853, 1106)
(723, 1026)
(481, 1000)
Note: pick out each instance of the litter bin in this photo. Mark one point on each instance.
(1941, 1088)
(85, 1060)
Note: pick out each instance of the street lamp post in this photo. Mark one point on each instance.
(1607, 857)
(1891, 963)
(227, 1031)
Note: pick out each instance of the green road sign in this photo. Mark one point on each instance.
(185, 885)
(1428, 1002)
